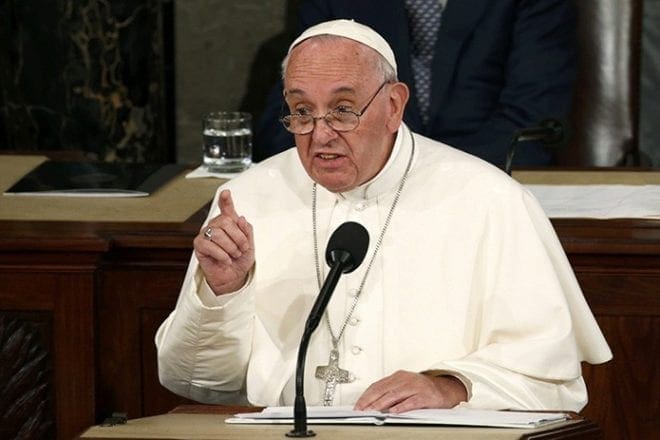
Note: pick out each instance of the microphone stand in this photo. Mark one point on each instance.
(549, 131)
(341, 259)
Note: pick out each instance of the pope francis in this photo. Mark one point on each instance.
(465, 296)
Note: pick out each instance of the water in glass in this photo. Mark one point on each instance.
(227, 141)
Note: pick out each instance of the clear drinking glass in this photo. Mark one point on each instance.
(227, 138)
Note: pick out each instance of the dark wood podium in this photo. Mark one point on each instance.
(86, 283)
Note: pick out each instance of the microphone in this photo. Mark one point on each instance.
(549, 132)
(345, 252)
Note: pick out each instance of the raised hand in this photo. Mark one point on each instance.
(405, 391)
(225, 248)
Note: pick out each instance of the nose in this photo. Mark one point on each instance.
(322, 132)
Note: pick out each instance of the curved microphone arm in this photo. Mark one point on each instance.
(549, 131)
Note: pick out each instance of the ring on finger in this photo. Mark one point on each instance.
(208, 233)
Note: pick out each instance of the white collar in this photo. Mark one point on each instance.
(390, 175)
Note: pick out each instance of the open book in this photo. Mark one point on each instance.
(453, 417)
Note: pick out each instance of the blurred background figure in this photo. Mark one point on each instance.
(478, 69)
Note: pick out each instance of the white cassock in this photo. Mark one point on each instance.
(470, 279)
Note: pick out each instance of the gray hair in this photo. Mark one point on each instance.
(382, 65)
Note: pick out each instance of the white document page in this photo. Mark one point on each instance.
(453, 417)
(598, 201)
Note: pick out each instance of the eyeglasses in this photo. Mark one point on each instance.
(339, 119)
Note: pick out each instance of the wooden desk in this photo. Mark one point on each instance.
(89, 295)
(86, 282)
(207, 423)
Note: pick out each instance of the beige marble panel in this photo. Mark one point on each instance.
(216, 42)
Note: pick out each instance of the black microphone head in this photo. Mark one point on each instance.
(556, 131)
(349, 243)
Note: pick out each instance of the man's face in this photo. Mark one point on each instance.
(323, 75)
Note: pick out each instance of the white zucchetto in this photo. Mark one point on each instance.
(354, 31)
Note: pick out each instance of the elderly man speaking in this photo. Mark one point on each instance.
(465, 296)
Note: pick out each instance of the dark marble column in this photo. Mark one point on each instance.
(87, 75)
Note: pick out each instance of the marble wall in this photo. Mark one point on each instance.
(130, 79)
(87, 75)
(92, 75)
(227, 57)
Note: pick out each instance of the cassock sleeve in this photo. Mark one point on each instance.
(204, 345)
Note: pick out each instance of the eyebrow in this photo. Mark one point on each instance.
(301, 92)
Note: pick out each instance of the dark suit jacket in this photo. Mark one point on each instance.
(499, 65)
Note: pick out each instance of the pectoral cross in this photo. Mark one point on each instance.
(332, 375)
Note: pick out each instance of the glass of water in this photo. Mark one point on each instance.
(227, 140)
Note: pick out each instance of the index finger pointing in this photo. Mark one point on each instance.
(226, 204)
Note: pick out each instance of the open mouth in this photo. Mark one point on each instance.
(328, 156)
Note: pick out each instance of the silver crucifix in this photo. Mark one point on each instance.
(332, 375)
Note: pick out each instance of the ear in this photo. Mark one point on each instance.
(399, 95)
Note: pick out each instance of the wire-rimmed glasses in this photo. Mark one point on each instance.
(339, 119)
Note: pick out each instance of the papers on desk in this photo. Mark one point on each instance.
(452, 417)
(598, 201)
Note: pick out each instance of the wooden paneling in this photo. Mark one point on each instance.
(106, 287)
(624, 392)
(65, 293)
(619, 272)
(26, 375)
(134, 298)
